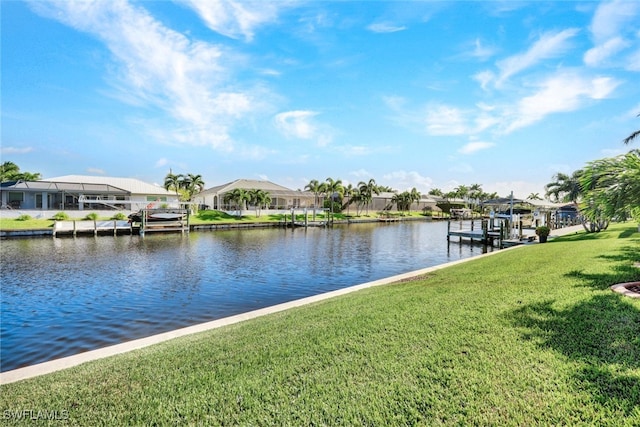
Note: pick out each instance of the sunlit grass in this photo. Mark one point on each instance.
(531, 336)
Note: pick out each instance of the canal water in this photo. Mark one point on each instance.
(62, 296)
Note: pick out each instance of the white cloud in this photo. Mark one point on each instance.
(484, 78)
(296, 124)
(161, 162)
(481, 51)
(444, 120)
(475, 146)
(157, 67)
(403, 180)
(15, 150)
(548, 46)
(385, 27)
(559, 93)
(611, 17)
(633, 61)
(598, 54)
(300, 124)
(236, 19)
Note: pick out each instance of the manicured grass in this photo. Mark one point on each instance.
(30, 224)
(530, 336)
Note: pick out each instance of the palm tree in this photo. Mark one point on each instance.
(436, 192)
(534, 196)
(173, 182)
(259, 198)
(315, 187)
(367, 190)
(414, 196)
(349, 191)
(9, 171)
(634, 135)
(565, 187)
(334, 190)
(611, 188)
(194, 184)
(239, 196)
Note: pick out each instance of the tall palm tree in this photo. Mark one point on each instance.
(315, 187)
(349, 192)
(334, 191)
(367, 190)
(173, 182)
(194, 184)
(414, 197)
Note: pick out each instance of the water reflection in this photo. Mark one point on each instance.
(67, 295)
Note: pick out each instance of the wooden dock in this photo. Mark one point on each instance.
(91, 227)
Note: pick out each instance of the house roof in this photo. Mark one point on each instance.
(131, 185)
(63, 186)
(253, 184)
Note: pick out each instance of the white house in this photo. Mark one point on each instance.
(281, 197)
(82, 193)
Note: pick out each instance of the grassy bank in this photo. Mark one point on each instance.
(531, 336)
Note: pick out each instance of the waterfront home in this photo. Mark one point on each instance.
(82, 193)
(281, 197)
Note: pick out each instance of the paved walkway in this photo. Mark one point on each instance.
(68, 362)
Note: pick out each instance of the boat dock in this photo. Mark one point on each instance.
(476, 231)
(487, 232)
(164, 220)
(91, 227)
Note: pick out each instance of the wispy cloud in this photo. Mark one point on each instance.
(600, 53)
(549, 45)
(406, 180)
(559, 93)
(481, 51)
(445, 120)
(156, 67)
(236, 19)
(385, 27)
(611, 17)
(15, 150)
(300, 124)
(475, 146)
(612, 25)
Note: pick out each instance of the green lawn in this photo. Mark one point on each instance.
(530, 336)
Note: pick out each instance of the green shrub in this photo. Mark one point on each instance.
(91, 216)
(119, 216)
(61, 216)
(24, 217)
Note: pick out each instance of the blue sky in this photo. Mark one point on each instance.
(410, 93)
